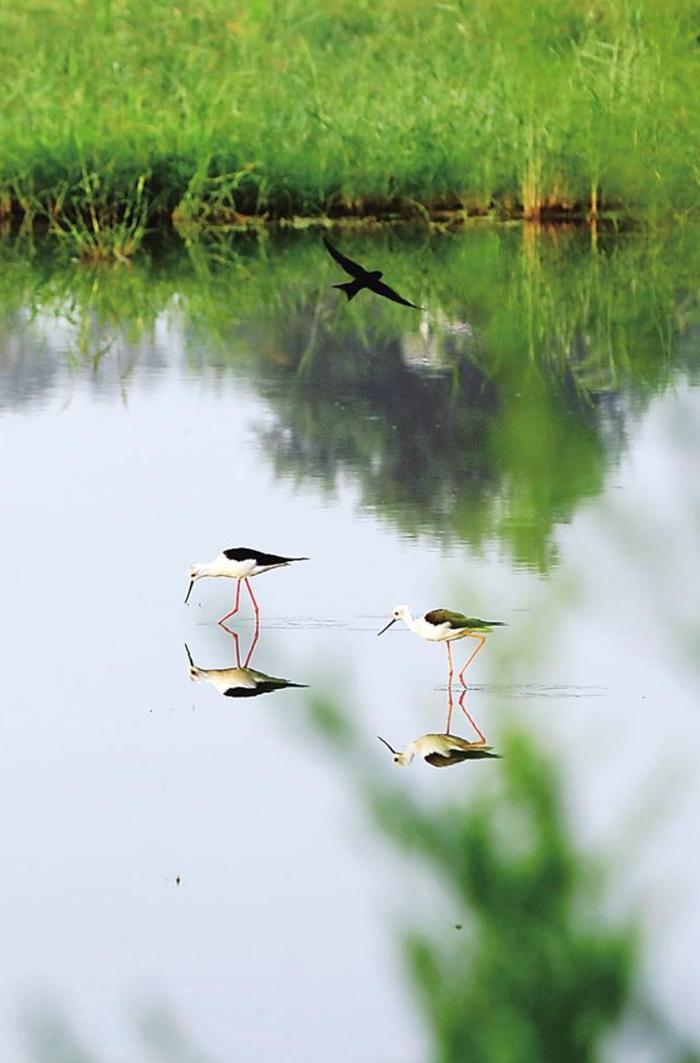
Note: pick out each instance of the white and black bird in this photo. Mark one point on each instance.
(239, 563)
(443, 625)
(441, 750)
(364, 278)
(238, 682)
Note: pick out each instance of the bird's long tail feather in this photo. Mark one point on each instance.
(351, 288)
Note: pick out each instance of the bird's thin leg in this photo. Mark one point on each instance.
(236, 606)
(256, 636)
(463, 707)
(450, 669)
(450, 706)
(234, 636)
(252, 598)
(482, 640)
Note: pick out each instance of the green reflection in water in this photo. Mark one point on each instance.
(523, 963)
(490, 419)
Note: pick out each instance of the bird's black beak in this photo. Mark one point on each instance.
(394, 751)
(189, 655)
(392, 621)
(187, 598)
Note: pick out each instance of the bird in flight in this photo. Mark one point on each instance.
(364, 278)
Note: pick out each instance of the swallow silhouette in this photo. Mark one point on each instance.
(364, 278)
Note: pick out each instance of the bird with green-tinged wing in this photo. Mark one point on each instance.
(443, 625)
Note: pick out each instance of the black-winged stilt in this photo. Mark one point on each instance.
(239, 563)
(442, 625)
(239, 682)
(442, 750)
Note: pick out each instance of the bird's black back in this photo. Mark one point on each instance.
(244, 553)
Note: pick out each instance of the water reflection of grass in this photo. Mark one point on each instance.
(528, 966)
(523, 962)
(489, 420)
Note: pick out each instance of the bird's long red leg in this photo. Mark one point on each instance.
(463, 707)
(236, 606)
(450, 669)
(256, 636)
(234, 636)
(252, 598)
(482, 640)
(450, 706)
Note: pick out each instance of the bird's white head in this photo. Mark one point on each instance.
(400, 612)
(193, 671)
(399, 758)
(196, 572)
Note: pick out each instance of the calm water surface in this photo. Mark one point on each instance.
(195, 875)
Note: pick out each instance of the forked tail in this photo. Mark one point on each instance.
(351, 288)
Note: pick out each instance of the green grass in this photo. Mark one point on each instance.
(215, 108)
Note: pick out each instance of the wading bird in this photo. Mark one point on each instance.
(363, 278)
(442, 625)
(442, 750)
(240, 682)
(239, 563)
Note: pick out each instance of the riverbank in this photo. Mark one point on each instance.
(120, 118)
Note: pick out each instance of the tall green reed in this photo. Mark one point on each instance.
(282, 109)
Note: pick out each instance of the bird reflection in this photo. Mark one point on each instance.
(442, 750)
(239, 681)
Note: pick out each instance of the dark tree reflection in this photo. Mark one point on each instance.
(490, 419)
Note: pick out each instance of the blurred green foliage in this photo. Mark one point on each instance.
(538, 973)
(524, 965)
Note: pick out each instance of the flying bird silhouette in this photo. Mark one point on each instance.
(364, 278)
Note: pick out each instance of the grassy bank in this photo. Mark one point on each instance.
(117, 114)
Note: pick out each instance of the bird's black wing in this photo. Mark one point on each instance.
(244, 553)
(353, 268)
(267, 686)
(457, 621)
(383, 289)
(245, 692)
(456, 756)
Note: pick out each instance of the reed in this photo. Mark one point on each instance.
(130, 114)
